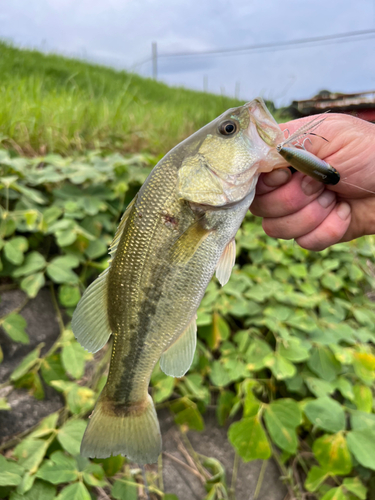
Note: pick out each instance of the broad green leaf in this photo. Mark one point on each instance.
(14, 324)
(70, 435)
(361, 420)
(60, 469)
(66, 237)
(73, 357)
(363, 398)
(75, 491)
(10, 472)
(125, 489)
(361, 367)
(187, 413)
(367, 360)
(355, 486)
(60, 269)
(332, 282)
(220, 330)
(362, 445)
(224, 405)
(195, 387)
(335, 494)
(80, 399)
(26, 483)
(280, 366)
(69, 295)
(249, 439)
(315, 478)
(52, 369)
(46, 426)
(251, 404)
(96, 249)
(32, 194)
(30, 453)
(15, 248)
(112, 465)
(332, 453)
(34, 262)
(163, 387)
(39, 491)
(28, 362)
(323, 363)
(345, 387)
(326, 413)
(295, 350)
(281, 418)
(32, 284)
(256, 354)
(319, 387)
(298, 270)
(219, 375)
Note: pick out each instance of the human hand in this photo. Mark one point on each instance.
(316, 215)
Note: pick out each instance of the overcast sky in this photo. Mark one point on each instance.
(120, 32)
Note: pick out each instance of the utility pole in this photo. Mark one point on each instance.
(154, 55)
(205, 83)
(237, 90)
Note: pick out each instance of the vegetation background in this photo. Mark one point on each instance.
(286, 347)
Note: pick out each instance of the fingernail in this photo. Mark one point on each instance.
(310, 186)
(343, 210)
(277, 177)
(326, 198)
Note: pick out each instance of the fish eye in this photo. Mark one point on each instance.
(228, 127)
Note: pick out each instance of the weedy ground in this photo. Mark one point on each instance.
(50, 103)
(286, 347)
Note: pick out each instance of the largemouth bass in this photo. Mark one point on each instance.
(174, 235)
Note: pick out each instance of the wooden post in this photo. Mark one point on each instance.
(154, 55)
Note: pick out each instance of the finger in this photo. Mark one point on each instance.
(287, 199)
(302, 222)
(330, 231)
(271, 181)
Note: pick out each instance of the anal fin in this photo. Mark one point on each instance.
(226, 263)
(177, 359)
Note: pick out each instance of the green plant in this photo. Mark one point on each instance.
(287, 345)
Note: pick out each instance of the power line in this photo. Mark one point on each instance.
(272, 45)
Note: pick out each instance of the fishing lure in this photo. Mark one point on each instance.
(305, 161)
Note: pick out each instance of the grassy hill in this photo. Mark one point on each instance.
(53, 103)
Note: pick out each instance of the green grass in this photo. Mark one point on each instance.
(52, 103)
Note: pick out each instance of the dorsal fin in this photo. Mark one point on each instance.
(90, 323)
(113, 246)
(226, 263)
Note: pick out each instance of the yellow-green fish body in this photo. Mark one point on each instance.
(177, 231)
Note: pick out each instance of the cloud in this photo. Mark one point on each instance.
(120, 33)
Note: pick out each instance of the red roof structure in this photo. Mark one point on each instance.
(360, 104)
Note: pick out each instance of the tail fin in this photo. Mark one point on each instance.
(133, 432)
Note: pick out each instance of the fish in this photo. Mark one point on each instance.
(175, 234)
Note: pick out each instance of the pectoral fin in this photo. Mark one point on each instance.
(177, 359)
(226, 263)
(188, 243)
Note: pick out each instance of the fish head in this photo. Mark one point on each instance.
(222, 161)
